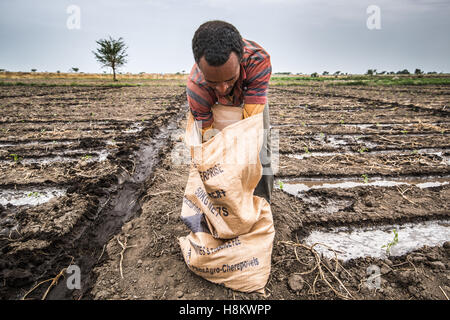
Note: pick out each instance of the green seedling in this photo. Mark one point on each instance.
(34, 194)
(341, 121)
(306, 150)
(404, 131)
(365, 178)
(281, 184)
(303, 124)
(389, 245)
(415, 152)
(15, 157)
(43, 130)
(86, 157)
(363, 149)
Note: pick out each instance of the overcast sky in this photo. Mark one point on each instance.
(300, 35)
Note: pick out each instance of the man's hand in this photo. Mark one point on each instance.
(252, 109)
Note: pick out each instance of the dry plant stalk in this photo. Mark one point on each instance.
(402, 193)
(54, 281)
(319, 265)
(124, 247)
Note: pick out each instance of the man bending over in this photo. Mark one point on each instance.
(229, 82)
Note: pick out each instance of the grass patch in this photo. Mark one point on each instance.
(360, 80)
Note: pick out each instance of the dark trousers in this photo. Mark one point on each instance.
(265, 184)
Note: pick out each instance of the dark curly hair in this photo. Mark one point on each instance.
(215, 40)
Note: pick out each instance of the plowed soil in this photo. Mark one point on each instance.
(115, 152)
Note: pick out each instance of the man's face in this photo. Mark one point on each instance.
(221, 78)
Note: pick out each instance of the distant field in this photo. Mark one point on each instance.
(365, 80)
(97, 76)
(156, 79)
(89, 79)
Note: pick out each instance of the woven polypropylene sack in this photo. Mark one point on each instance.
(232, 231)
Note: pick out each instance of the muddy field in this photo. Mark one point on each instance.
(94, 177)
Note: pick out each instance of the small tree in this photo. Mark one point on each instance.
(75, 69)
(325, 73)
(314, 75)
(111, 54)
(33, 70)
(418, 71)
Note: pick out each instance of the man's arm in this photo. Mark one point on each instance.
(200, 102)
(259, 70)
